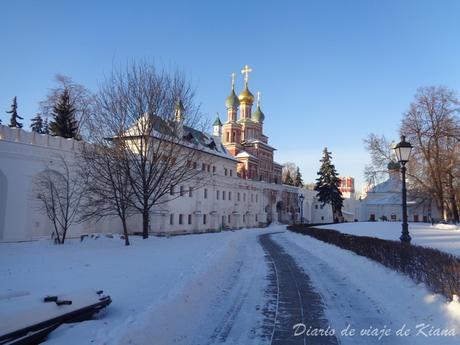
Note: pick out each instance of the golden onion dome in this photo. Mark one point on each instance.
(246, 96)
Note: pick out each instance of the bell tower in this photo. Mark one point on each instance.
(231, 129)
(232, 103)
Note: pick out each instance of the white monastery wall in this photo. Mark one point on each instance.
(223, 202)
(23, 155)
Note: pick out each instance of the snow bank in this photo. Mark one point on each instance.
(422, 234)
(24, 310)
(446, 227)
(453, 310)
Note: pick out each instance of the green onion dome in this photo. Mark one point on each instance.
(258, 115)
(232, 100)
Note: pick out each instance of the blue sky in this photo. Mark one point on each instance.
(330, 72)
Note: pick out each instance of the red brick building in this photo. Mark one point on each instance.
(347, 186)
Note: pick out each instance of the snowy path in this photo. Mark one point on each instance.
(365, 295)
(295, 299)
(220, 306)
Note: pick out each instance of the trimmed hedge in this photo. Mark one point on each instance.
(439, 271)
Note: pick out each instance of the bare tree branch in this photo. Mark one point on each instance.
(151, 117)
(59, 189)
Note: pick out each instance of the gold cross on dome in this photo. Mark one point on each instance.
(246, 70)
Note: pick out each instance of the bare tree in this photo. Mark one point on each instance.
(109, 192)
(381, 152)
(433, 127)
(59, 189)
(291, 172)
(82, 100)
(151, 117)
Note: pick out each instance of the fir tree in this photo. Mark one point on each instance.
(298, 182)
(288, 179)
(14, 115)
(37, 124)
(46, 127)
(64, 123)
(327, 185)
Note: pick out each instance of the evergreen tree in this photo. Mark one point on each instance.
(327, 185)
(46, 127)
(64, 123)
(288, 179)
(298, 182)
(14, 115)
(37, 124)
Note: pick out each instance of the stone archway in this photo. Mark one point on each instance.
(307, 212)
(268, 211)
(3, 193)
(279, 210)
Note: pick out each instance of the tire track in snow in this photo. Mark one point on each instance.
(236, 310)
(240, 294)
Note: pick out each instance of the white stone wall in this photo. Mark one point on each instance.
(314, 212)
(23, 155)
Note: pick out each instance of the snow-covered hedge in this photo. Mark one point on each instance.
(439, 271)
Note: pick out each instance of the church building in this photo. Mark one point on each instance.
(243, 136)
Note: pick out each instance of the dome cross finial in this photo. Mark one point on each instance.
(233, 80)
(246, 70)
(258, 98)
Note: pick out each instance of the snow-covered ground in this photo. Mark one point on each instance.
(368, 296)
(211, 288)
(444, 237)
(177, 290)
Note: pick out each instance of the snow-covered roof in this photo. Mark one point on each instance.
(191, 137)
(259, 142)
(245, 154)
(389, 199)
(392, 185)
(206, 143)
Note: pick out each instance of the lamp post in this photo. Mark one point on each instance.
(402, 151)
(301, 198)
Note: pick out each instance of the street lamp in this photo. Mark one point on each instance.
(403, 150)
(301, 198)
